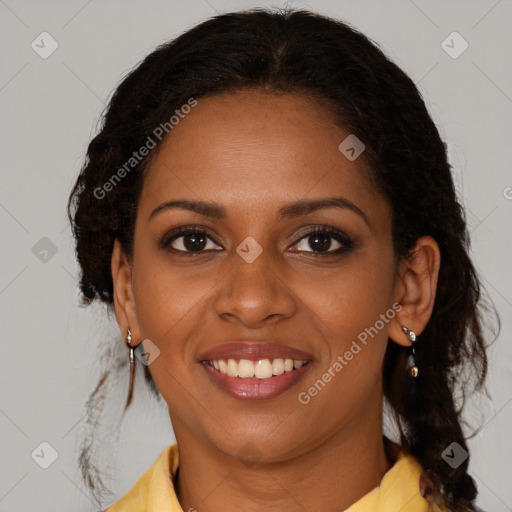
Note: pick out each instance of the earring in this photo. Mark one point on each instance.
(128, 342)
(412, 369)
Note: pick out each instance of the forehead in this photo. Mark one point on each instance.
(256, 149)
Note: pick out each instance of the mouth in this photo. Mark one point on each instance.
(255, 371)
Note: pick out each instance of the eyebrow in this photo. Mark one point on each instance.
(287, 211)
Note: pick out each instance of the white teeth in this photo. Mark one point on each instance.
(232, 368)
(261, 369)
(277, 367)
(223, 366)
(245, 368)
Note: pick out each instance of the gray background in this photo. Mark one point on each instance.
(49, 108)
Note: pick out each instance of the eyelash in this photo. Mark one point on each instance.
(333, 233)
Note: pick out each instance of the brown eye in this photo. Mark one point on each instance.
(188, 241)
(320, 242)
(323, 241)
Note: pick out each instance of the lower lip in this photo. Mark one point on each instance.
(254, 388)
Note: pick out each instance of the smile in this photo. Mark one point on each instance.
(263, 378)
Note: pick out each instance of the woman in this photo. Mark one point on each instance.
(269, 209)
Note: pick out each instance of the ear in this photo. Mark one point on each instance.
(124, 300)
(415, 289)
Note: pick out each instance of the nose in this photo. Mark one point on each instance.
(254, 294)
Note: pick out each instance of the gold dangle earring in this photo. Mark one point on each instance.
(128, 342)
(412, 369)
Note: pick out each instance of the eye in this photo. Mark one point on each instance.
(188, 240)
(325, 241)
(191, 241)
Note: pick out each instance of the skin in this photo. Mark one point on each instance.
(252, 152)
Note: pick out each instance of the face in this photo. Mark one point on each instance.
(257, 269)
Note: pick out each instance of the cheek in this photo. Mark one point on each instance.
(352, 297)
(172, 310)
(354, 312)
(166, 307)
(166, 296)
(355, 309)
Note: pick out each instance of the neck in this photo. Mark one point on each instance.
(329, 477)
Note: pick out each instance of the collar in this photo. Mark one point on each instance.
(398, 489)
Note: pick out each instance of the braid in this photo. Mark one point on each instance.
(429, 423)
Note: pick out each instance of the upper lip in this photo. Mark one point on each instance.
(253, 351)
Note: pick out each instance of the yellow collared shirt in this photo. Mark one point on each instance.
(154, 491)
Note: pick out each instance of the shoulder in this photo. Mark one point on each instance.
(154, 490)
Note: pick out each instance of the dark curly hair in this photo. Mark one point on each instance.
(298, 51)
